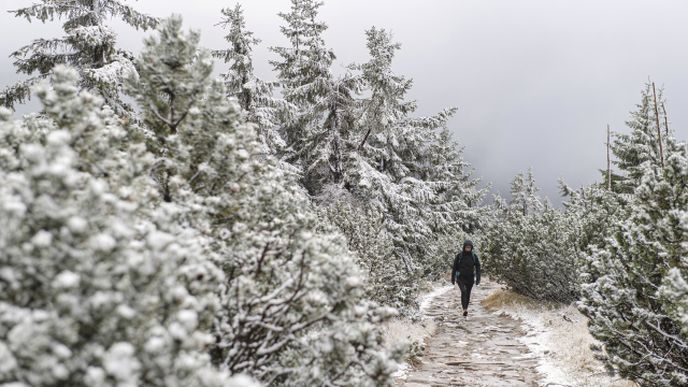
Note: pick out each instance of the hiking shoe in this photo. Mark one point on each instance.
(465, 313)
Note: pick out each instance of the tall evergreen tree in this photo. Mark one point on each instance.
(319, 113)
(307, 61)
(238, 56)
(88, 45)
(386, 136)
(524, 194)
(457, 197)
(254, 95)
(405, 174)
(632, 149)
(386, 104)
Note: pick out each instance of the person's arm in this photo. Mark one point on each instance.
(477, 270)
(454, 269)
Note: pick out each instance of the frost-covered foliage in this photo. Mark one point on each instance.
(95, 288)
(621, 250)
(530, 246)
(632, 149)
(361, 154)
(221, 230)
(392, 148)
(636, 297)
(634, 288)
(293, 305)
(590, 212)
(319, 114)
(372, 242)
(524, 197)
(88, 45)
(406, 176)
(409, 170)
(254, 95)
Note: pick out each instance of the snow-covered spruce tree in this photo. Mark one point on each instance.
(636, 297)
(454, 210)
(368, 237)
(320, 115)
(505, 231)
(524, 194)
(294, 310)
(597, 210)
(254, 95)
(591, 213)
(632, 149)
(307, 61)
(417, 157)
(92, 293)
(506, 221)
(377, 178)
(530, 246)
(404, 175)
(457, 196)
(88, 45)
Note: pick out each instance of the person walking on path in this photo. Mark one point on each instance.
(465, 272)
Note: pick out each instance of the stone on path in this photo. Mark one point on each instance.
(482, 349)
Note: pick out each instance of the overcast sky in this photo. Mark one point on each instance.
(535, 81)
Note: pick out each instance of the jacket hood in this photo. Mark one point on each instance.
(467, 243)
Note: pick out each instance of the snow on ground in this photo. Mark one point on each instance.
(559, 337)
(479, 350)
(402, 330)
(424, 300)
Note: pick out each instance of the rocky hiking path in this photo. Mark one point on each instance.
(482, 349)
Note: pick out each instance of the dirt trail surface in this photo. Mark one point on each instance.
(482, 349)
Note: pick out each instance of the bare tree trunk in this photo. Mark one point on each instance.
(659, 130)
(666, 120)
(609, 162)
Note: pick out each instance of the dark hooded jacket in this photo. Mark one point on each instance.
(466, 265)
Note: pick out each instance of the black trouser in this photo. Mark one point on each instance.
(465, 285)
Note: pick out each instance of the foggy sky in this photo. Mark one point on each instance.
(535, 81)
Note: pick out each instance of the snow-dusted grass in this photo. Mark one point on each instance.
(413, 332)
(559, 337)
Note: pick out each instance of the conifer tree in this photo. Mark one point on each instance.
(457, 197)
(382, 174)
(254, 95)
(405, 174)
(386, 104)
(319, 113)
(635, 291)
(88, 45)
(591, 212)
(524, 194)
(307, 61)
(170, 89)
(632, 149)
